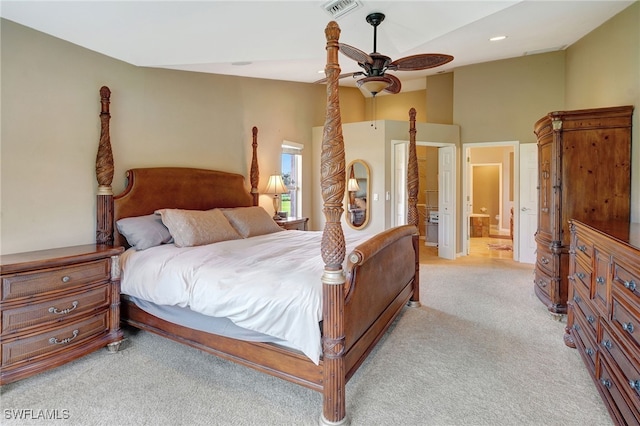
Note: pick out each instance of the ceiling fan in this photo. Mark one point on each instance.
(376, 65)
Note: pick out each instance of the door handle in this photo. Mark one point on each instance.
(524, 209)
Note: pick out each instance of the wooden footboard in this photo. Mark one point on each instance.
(381, 278)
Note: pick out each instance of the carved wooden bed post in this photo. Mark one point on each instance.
(413, 183)
(104, 174)
(333, 243)
(254, 174)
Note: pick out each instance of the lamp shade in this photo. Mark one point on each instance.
(275, 185)
(352, 185)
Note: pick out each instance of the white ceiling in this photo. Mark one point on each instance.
(284, 40)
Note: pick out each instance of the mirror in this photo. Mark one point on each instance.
(358, 179)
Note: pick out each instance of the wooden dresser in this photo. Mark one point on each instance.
(603, 320)
(56, 306)
(584, 173)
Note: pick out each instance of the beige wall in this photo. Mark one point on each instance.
(500, 100)
(396, 107)
(440, 98)
(50, 130)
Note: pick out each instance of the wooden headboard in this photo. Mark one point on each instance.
(150, 189)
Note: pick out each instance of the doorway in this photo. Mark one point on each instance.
(437, 207)
(489, 195)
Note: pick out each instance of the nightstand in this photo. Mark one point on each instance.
(295, 223)
(57, 305)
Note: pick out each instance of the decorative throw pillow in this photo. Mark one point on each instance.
(143, 232)
(197, 227)
(251, 221)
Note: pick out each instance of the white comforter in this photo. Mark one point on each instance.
(270, 284)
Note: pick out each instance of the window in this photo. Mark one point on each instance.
(292, 177)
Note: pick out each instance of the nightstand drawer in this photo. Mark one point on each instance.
(25, 316)
(38, 282)
(28, 348)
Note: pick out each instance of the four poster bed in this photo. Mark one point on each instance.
(356, 303)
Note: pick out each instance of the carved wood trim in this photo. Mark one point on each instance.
(412, 172)
(333, 248)
(413, 184)
(255, 172)
(104, 173)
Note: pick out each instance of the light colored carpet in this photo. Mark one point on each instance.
(482, 350)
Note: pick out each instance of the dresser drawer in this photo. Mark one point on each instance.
(583, 249)
(585, 341)
(614, 392)
(51, 341)
(42, 281)
(626, 322)
(543, 282)
(622, 358)
(22, 317)
(626, 281)
(583, 310)
(545, 259)
(582, 277)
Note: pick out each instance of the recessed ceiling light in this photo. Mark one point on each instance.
(497, 38)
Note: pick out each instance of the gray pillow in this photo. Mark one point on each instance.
(197, 227)
(143, 232)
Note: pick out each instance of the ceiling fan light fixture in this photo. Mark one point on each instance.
(374, 85)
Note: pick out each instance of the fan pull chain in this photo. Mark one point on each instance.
(373, 111)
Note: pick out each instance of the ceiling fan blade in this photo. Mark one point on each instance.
(420, 62)
(395, 85)
(349, 74)
(355, 54)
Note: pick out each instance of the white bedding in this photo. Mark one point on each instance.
(270, 283)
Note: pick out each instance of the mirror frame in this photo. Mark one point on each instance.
(367, 210)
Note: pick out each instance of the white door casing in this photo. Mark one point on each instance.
(528, 212)
(447, 202)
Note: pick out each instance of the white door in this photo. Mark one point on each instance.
(528, 214)
(447, 202)
(400, 184)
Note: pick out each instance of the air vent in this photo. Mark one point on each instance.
(338, 8)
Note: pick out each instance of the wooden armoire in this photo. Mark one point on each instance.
(584, 173)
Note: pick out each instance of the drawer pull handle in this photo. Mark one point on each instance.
(635, 384)
(542, 283)
(544, 261)
(591, 319)
(55, 341)
(606, 383)
(627, 326)
(607, 344)
(577, 299)
(631, 285)
(600, 280)
(582, 248)
(66, 279)
(55, 310)
(576, 327)
(580, 275)
(589, 351)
